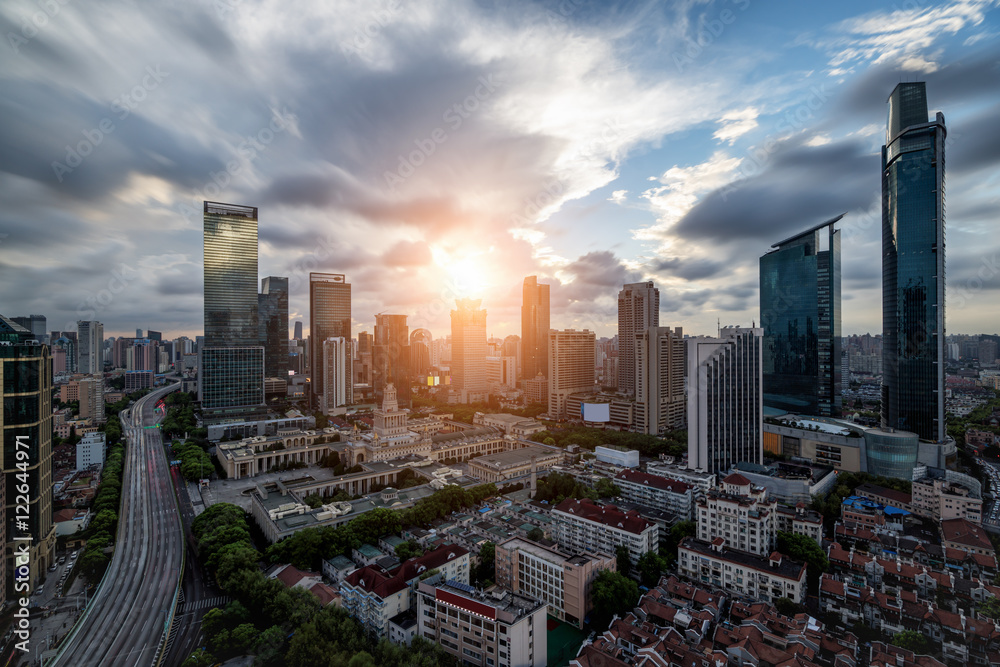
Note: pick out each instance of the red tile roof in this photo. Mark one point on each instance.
(737, 479)
(655, 481)
(607, 515)
(965, 532)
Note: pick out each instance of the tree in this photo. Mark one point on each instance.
(487, 565)
(200, 658)
(268, 646)
(788, 607)
(651, 566)
(408, 549)
(536, 534)
(314, 500)
(607, 489)
(805, 550)
(911, 640)
(624, 559)
(613, 595)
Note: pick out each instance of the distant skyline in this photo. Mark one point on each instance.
(434, 150)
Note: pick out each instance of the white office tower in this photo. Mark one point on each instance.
(659, 380)
(725, 399)
(338, 383)
(90, 347)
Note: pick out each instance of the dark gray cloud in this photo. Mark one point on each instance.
(688, 268)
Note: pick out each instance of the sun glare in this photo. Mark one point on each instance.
(466, 271)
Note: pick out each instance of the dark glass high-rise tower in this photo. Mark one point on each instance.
(329, 317)
(800, 315)
(534, 329)
(913, 266)
(272, 316)
(230, 275)
(391, 358)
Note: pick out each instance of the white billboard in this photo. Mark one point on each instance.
(596, 412)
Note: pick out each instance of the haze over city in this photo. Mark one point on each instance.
(434, 150)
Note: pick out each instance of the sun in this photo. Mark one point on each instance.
(466, 272)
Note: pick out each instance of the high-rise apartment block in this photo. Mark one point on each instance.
(329, 317)
(272, 318)
(660, 405)
(338, 382)
(638, 310)
(90, 347)
(534, 328)
(26, 427)
(571, 368)
(36, 324)
(468, 350)
(800, 316)
(725, 399)
(583, 525)
(913, 266)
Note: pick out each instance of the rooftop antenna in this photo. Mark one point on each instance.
(718, 327)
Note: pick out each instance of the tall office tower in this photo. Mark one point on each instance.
(363, 359)
(231, 361)
(913, 269)
(534, 328)
(391, 358)
(329, 317)
(91, 395)
(68, 346)
(230, 275)
(420, 351)
(142, 355)
(298, 330)
(659, 380)
(468, 351)
(90, 347)
(272, 318)
(26, 427)
(35, 324)
(512, 348)
(571, 368)
(338, 357)
(138, 333)
(800, 316)
(638, 309)
(154, 335)
(725, 399)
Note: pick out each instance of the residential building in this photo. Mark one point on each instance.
(534, 328)
(947, 499)
(373, 595)
(391, 358)
(501, 373)
(800, 316)
(90, 451)
(638, 310)
(739, 513)
(725, 399)
(583, 525)
(329, 317)
(536, 390)
(966, 536)
(90, 393)
(468, 351)
(90, 347)
(671, 495)
(766, 578)
(571, 368)
(701, 481)
(483, 628)
(545, 573)
(338, 384)
(660, 403)
(272, 317)
(26, 427)
(137, 380)
(913, 266)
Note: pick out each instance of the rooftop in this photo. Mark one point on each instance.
(655, 481)
(608, 515)
(786, 568)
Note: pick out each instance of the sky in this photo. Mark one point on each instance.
(437, 150)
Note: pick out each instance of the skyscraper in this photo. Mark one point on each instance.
(36, 324)
(571, 368)
(659, 398)
(391, 357)
(420, 351)
(339, 383)
(231, 368)
(329, 317)
(638, 309)
(26, 428)
(725, 399)
(298, 330)
(272, 315)
(913, 269)
(534, 328)
(800, 316)
(468, 350)
(230, 275)
(90, 347)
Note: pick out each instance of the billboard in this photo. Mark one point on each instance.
(596, 412)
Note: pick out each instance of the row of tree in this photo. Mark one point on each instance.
(195, 461)
(556, 487)
(673, 443)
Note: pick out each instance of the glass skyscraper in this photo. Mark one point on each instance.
(272, 316)
(230, 275)
(800, 316)
(534, 328)
(913, 266)
(391, 358)
(329, 317)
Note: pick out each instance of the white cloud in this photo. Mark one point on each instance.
(735, 124)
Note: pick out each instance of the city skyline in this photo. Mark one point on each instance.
(717, 129)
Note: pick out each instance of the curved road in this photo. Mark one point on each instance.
(124, 624)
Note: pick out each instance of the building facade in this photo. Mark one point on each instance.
(583, 525)
(230, 275)
(90, 347)
(765, 578)
(391, 358)
(638, 310)
(660, 403)
(671, 495)
(329, 317)
(913, 266)
(534, 328)
(571, 368)
(231, 379)
(725, 399)
(800, 316)
(338, 384)
(468, 350)
(272, 317)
